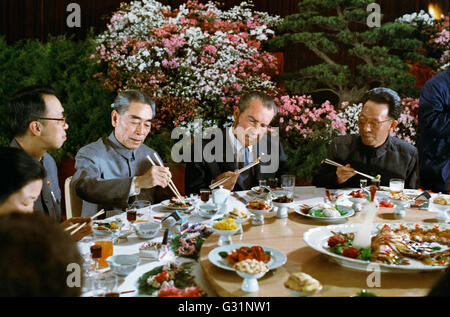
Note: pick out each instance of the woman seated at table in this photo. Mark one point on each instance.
(22, 183)
(35, 254)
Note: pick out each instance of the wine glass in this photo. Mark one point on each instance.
(131, 217)
(363, 183)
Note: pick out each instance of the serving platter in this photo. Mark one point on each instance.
(350, 212)
(317, 238)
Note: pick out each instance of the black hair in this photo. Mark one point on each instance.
(18, 168)
(27, 105)
(248, 97)
(123, 100)
(387, 96)
(35, 254)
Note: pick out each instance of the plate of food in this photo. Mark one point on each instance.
(325, 212)
(226, 256)
(176, 204)
(398, 247)
(107, 226)
(260, 190)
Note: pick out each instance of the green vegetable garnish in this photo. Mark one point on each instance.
(341, 211)
(223, 254)
(436, 248)
(268, 252)
(364, 254)
(366, 293)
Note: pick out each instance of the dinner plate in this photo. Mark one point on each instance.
(277, 259)
(350, 212)
(317, 238)
(166, 204)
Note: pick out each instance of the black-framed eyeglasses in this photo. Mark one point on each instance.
(63, 119)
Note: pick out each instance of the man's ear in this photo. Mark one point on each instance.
(35, 128)
(236, 114)
(394, 124)
(114, 118)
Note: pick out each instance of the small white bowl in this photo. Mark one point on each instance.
(123, 264)
(147, 230)
(225, 235)
(207, 210)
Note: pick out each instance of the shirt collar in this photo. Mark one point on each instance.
(122, 150)
(236, 144)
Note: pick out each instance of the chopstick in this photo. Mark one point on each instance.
(218, 183)
(330, 162)
(98, 213)
(72, 226)
(76, 230)
(171, 184)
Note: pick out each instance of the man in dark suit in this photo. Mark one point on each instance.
(38, 124)
(241, 144)
(114, 171)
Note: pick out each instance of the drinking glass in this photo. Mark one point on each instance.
(107, 250)
(108, 283)
(396, 186)
(273, 182)
(143, 210)
(288, 184)
(204, 195)
(96, 254)
(363, 183)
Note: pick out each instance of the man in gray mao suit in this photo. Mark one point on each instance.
(38, 124)
(114, 171)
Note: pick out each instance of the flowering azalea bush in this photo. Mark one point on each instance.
(305, 130)
(193, 60)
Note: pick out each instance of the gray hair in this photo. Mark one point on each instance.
(123, 100)
(248, 97)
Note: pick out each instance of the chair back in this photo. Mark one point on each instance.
(74, 204)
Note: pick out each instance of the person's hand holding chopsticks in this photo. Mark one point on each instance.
(155, 176)
(82, 232)
(343, 173)
(230, 182)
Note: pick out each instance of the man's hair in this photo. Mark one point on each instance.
(34, 254)
(18, 168)
(247, 98)
(26, 106)
(387, 96)
(123, 100)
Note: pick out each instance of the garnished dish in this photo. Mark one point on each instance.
(386, 204)
(106, 227)
(237, 214)
(244, 253)
(283, 199)
(251, 266)
(358, 194)
(150, 249)
(226, 224)
(324, 211)
(396, 247)
(401, 197)
(227, 255)
(258, 205)
(176, 204)
(302, 284)
(441, 200)
(165, 280)
(261, 190)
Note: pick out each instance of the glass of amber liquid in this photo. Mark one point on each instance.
(204, 195)
(106, 251)
(396, 186)
(131, 217)
(96, 254)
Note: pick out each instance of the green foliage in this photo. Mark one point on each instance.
(66, 66)
(304, 158)
(334, 28)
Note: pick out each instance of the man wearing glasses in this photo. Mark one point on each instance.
(38, 124)
(373, 151)
(114, 171)
(242, 144)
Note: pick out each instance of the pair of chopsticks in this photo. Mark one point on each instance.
(171, 183)
(82, 224)
(330, 162)
(218, 183)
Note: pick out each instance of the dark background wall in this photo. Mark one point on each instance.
(35, 19)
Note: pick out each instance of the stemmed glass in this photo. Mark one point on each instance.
(363, 183)
(131, 217)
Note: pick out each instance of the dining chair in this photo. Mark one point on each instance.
(74, 203)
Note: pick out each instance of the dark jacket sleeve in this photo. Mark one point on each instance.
(412, 177)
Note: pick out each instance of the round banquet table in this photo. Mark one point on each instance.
(286, 235)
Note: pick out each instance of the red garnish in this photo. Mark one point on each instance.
(335, 240)
(161, 277)
(350, 252)
(386, 204)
